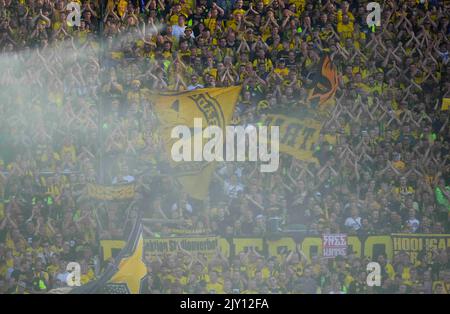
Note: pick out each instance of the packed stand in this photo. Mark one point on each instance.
(76, 109)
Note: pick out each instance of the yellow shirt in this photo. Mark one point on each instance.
(265, 273)
(345, 30)
(56, 97)
(390, 271)
(110, 6)
(298, 269)
(3, 270)
(400, 165)
(122, 7)
(299, 4)
(81, 35)
(117, 55)
(267, 63)
(362, 71)
(232, 24)
(184, 280)
(170, 278)
(85, 278)
(377, 87)
(408, 190)
(351, 18)
(210, 24)
(283, 72)
(405, 274)
(53, 191)
(69, 150)
(52, 269)
(173, 19)
(44, 157)
(363, 86)
(348, 280)
(279, 47)
(185, 8)
(211, 71)
(10, 262)
(217, 287)
(10, 243)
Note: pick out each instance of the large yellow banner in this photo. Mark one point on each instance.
(371, 246)
(207, 245)
(415, 244)
(296, 135)
(110, 193)
(215, 106)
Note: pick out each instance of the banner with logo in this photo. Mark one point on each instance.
(296, 135)
(207, 245)
(415, 244)
(111, 193)
(215, 106)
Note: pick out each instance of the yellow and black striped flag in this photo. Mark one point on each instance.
(126, 273)
(215, 106)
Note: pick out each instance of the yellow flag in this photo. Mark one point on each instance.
(132, 271)
(296, 135)
(215, 106)
(104, 192)
(445, 104)
(126, 273)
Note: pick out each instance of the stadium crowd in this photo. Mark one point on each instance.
(75, 108)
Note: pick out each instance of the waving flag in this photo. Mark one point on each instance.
(297, 136)
(325, 83)
(128, 271)
(215, 106)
